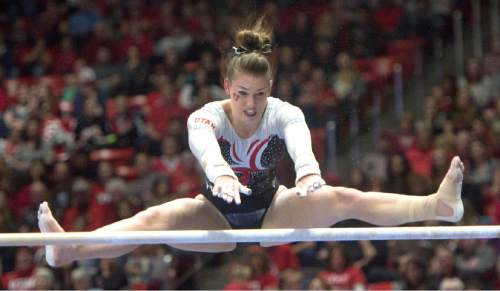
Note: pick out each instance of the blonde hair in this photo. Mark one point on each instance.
(252, 49)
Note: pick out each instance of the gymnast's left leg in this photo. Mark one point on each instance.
(330, 205)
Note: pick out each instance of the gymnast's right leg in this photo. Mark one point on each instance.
(179, 214)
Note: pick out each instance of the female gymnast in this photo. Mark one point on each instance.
(238, 142)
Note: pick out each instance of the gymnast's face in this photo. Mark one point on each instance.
(248, 94)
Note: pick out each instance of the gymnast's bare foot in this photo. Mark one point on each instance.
(56, 256)
(450, 206)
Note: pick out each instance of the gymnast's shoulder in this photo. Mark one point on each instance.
(283, 109)
(210, 115)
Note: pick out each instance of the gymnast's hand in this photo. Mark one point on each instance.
(229, 189)
(308, 184)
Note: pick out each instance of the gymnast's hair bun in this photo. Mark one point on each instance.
(256, 38)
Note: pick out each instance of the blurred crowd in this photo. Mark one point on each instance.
(94, 97)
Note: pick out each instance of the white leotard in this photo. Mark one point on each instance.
(252, 160)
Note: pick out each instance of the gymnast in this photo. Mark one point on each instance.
(238, 142)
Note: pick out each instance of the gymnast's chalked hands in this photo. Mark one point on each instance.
(308, 184)
(229, 189)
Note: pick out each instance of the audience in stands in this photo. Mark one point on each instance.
(94, 97)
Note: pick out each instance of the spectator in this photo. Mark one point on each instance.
(34, 58)
(84, 19)
(125, 123)
(442, 266)
(107, 72)
(60, 179)
(454, 283)
(44, 279)
(398, 174)
(474, 259)
(160, 192)
(81, 278)
(347, 82)
(134, 73)
(480, 86)
(145, 178)
(187, 182)
(482, 167)
(317, 283)
(91, 125)
(363, 39)
(26, 201)
(23, 275)
(138, 268)
(240, 277)
(191, 94)
(419, 155)
(491, 198)
(440, 160)
(262, 275)
(284, 257)
(299, 35)
(163, 106)
(340, 273)
(170, 160)
(414, 276)
(291, 280)
(65, 57)
(75, 217)
(104, 193)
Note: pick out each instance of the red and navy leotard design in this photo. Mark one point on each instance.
(256, 169)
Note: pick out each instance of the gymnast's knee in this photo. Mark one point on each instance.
(149, 217)
(167, 215)
(345, 196)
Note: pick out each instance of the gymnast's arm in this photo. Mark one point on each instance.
(298, 143)
(204, 146)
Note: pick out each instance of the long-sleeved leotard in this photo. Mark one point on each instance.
(252, 160)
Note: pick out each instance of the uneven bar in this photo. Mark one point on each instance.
(251, 235)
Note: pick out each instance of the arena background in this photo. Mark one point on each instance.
(94, 97)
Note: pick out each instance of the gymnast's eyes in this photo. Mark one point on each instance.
(260, 94)
(242, 93)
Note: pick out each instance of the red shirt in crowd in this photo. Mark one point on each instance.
(102, 210)
(185, 182)
(167, 166)
(161, 113)
(20, 201)
(284, 258)
(19, 280)
(420, 160)
(344, 280)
